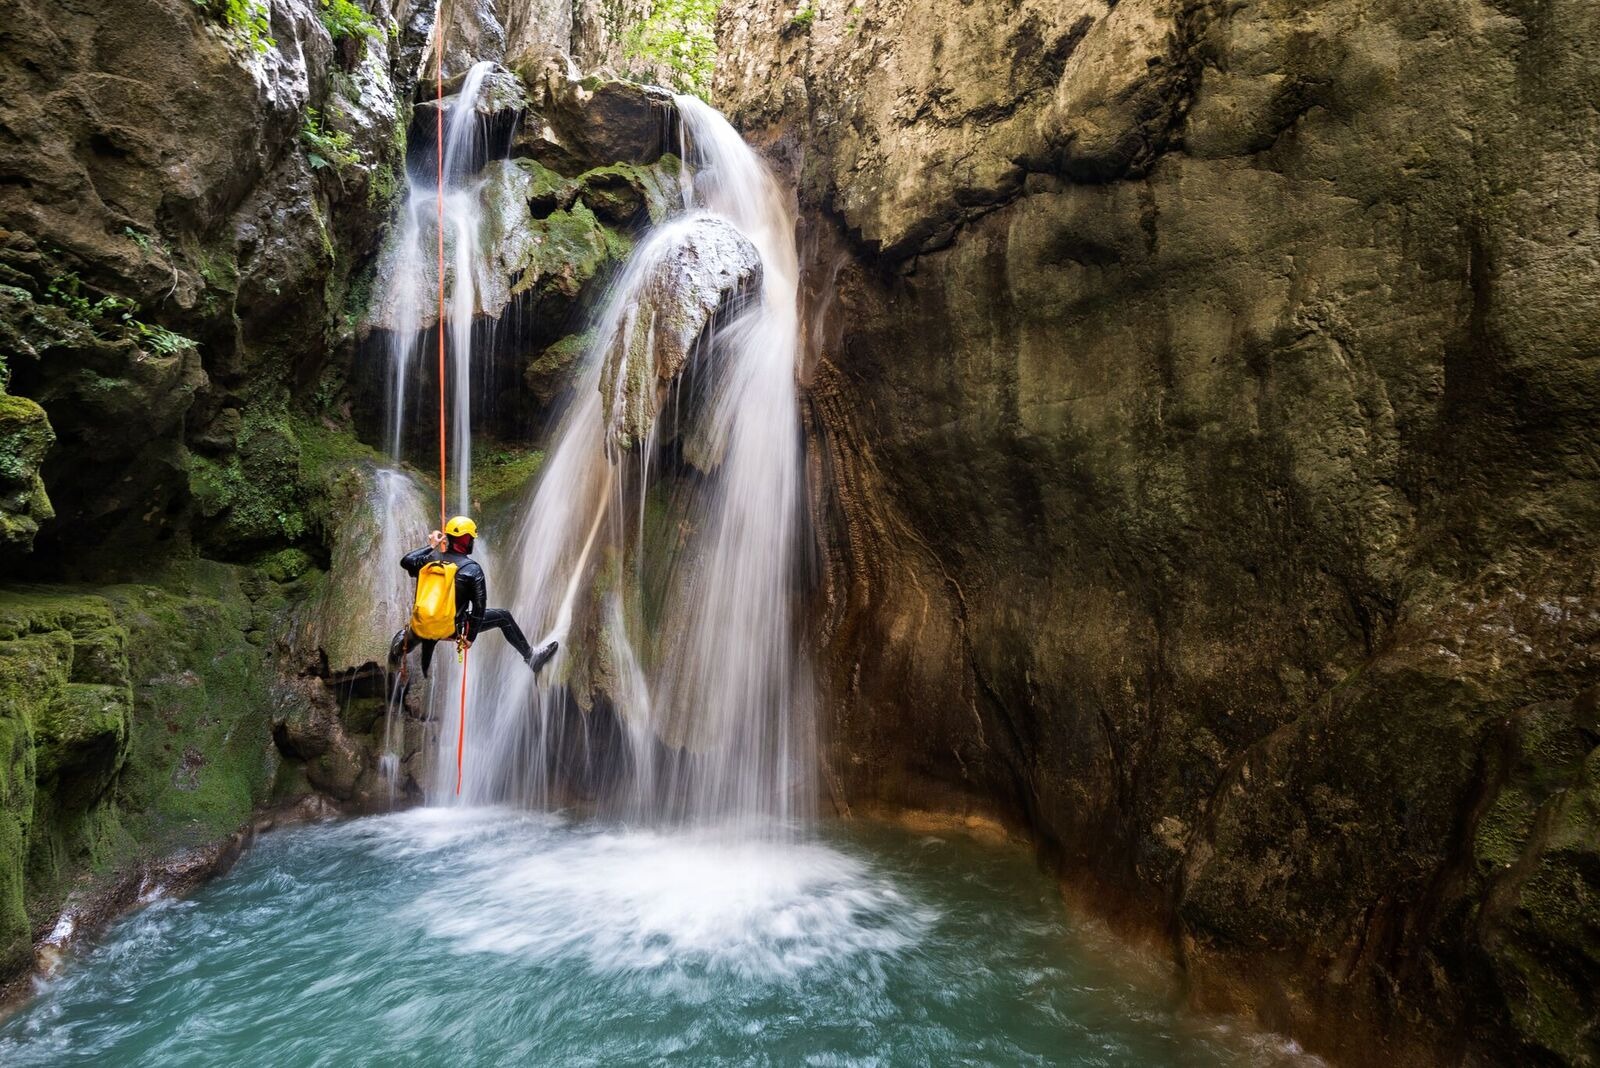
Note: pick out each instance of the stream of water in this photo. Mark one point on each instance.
(491, 936)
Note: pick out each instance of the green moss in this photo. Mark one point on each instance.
(504, 472)
(60, 742)
(285, 565)
(620, 192)
(546, 190)
(202, 756)
(253, 495)
(566, 249)
(25, 436)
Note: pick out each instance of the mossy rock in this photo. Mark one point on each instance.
(550, 372)
(562, 252)
(134, 719)
(25, 438)
(251, 496)
(503, 473)
(626, 194)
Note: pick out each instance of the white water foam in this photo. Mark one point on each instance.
(687, 905)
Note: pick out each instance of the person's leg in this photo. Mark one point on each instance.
(427, 653)
(500, 619)
(398, 649)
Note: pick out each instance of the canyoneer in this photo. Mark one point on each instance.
(451, 601)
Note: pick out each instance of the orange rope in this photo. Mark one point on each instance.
(439, 198)
(438, 84)
(461, 731)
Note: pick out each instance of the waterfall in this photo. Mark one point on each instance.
(413, 275)
(659, 543)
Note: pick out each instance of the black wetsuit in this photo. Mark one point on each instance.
(472, 618)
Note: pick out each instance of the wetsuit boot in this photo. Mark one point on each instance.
(542, 657)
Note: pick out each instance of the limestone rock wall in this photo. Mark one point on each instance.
(1203, 406)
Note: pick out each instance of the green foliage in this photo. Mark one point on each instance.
(803, 18)
(324, 147)
(249, 21)
(679, 35)
(342, 18)
(142, 240)
(104, 315)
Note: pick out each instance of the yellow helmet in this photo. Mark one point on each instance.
(461, 527)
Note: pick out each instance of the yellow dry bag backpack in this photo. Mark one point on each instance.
(433, 614)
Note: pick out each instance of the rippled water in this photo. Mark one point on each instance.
(485, 936)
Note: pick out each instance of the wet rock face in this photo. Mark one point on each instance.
(576, 168)
(1227, 378)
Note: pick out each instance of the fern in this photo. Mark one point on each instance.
(324, 147)
(67, 291)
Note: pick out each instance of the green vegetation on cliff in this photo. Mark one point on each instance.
(679, 36)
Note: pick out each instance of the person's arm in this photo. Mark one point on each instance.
(477, 598)
(413, 560)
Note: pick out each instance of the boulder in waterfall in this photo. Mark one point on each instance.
(591, 122)
(500, 94)
(705, 264)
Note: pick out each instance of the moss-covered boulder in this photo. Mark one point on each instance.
(134, 720)
(25, 437)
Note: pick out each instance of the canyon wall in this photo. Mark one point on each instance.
(1203, 405)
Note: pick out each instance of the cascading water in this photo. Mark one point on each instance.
(414, 278)
(712, 692)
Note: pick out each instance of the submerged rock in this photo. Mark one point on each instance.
(705, 263)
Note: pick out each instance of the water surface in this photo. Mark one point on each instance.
(487, 936)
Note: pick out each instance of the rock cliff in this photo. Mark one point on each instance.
(1203, 402)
